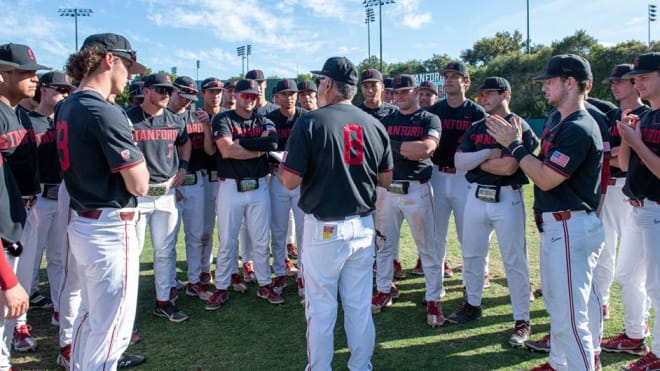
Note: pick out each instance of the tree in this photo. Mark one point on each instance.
(412, 66)
(603, 59)
(436, 63)
(372, 62)
(486, 49)
(580, 43)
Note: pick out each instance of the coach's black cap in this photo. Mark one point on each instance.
(212, 83)
(387, 83)
(307, 85)
(117, 45)
(255, 75)
(404, 82)
(285, 86)
(618, 71)
(565, 65)
(429, 85)
(135, 89)
(339, 69)
(187, 87)
(371, 74)
(19, 57)
(645, 63)
(247, 86)
(158, 79)
(457, 67)
(495, 83)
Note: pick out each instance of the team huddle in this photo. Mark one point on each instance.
(313, 178)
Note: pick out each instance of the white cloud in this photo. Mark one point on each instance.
(412, 17)
(416, 21)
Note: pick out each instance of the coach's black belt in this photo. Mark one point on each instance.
(95, 214)
(50, 191)
(446, 169)
(639, 202)
(341, 218)
(14, 249)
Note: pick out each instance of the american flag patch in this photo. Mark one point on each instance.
(559, 158)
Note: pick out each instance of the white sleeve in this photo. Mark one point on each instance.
(469, 160)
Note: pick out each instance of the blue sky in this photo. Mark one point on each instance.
(295, 36)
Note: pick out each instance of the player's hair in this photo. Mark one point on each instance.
(344, 90)
(81, 64)
(582, 85)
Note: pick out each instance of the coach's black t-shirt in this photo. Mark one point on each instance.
(641, 182)
(384, 110)
(615, 137)
(338, 150)
(454, 121)
(266, 109)
(248, 132)
(574, 149)
(94, 143)
(19, 147)
(419, 125)
(284, 125)
(195, 132)
(44, 131)
(477, 138)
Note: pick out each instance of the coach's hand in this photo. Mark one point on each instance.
(16, 300)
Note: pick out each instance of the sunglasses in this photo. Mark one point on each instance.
(187, 91)
(318, 79)
(130, 52)
(162, 90)
(59, 89)
(249, 96)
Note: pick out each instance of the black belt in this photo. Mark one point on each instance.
(341, 218)
(95, 214)
(50, 191)
(639, 202)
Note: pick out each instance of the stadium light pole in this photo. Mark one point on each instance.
(248, 52)
(380, 3)
(75, 13)
(652, 10)
(527, 26)
(240, 51)
(370, 17)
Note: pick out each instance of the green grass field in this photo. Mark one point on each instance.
(249, 334)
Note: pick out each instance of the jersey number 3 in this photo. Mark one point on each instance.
(63, 144)
(353, 144)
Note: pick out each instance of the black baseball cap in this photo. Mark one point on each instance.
(117, 45)
(495, 83)
(388, 83)
(212, 83)
(135, 89)
(339, 69)
(429, 85)
(187, 87)
(645, 63)
(618, 71)
(307, 85)
(158, 79)
(247, 86)
(457, 67)
(53, 79)
(255, 75)
(371, 74)
(230, 84)
(565, 65)
(285, 85)
(404, 82)
(19, 57)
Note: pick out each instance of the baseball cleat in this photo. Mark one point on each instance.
(38, 301)
(520, 334)
(399, 273)
(418, 270)
(542, 345)
(291, 269)
(434, 316)
(301, 287)
(55, 319)
(467, 313)
(447, 272)
(279, 283)
(486, 282)
(130, 360)
(248, 272)
(180, 285)
(23, 340)
(544, 367)
(647, 363)
(237, 283)
(198, 289)
(216, 300)
(292, 250)
(381, 300)
(267, 293)
(621, 343)
(64, 358)
(170, 311)
(205, 278)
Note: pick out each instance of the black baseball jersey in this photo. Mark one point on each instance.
(12, 211)
(195, 131)
(19, 146)
(284, 125)
(94, 143)
(615, 137)
(602, 105)
(572, 147)
(266, 109)
(477, 138)
(338, 150)
(419, 125)
(381, 112)
(44, 132)
(157, 138)
(641, 182)
(603, 126)
(454, 121)
(248, 132)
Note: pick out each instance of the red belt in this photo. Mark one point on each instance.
(95, 214)
(611, 181)
(29, 201)
(639, 202)
(446, 169)
(557, 215)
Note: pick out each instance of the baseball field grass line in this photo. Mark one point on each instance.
(247, 333)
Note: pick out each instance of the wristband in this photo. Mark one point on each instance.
(183, 164)
(518, 151)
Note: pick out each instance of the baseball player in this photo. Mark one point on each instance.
(96, 151)
(414, 135)
(566, 177)
(135, 94)
(457, 113)
(338, 154)
(263, 107)
(387, 95)
(229, 95)
(495, 201)
(639, 154)
(243, 137)
(307, 95)
(157, 131)
(616, 214)
(428, 94)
